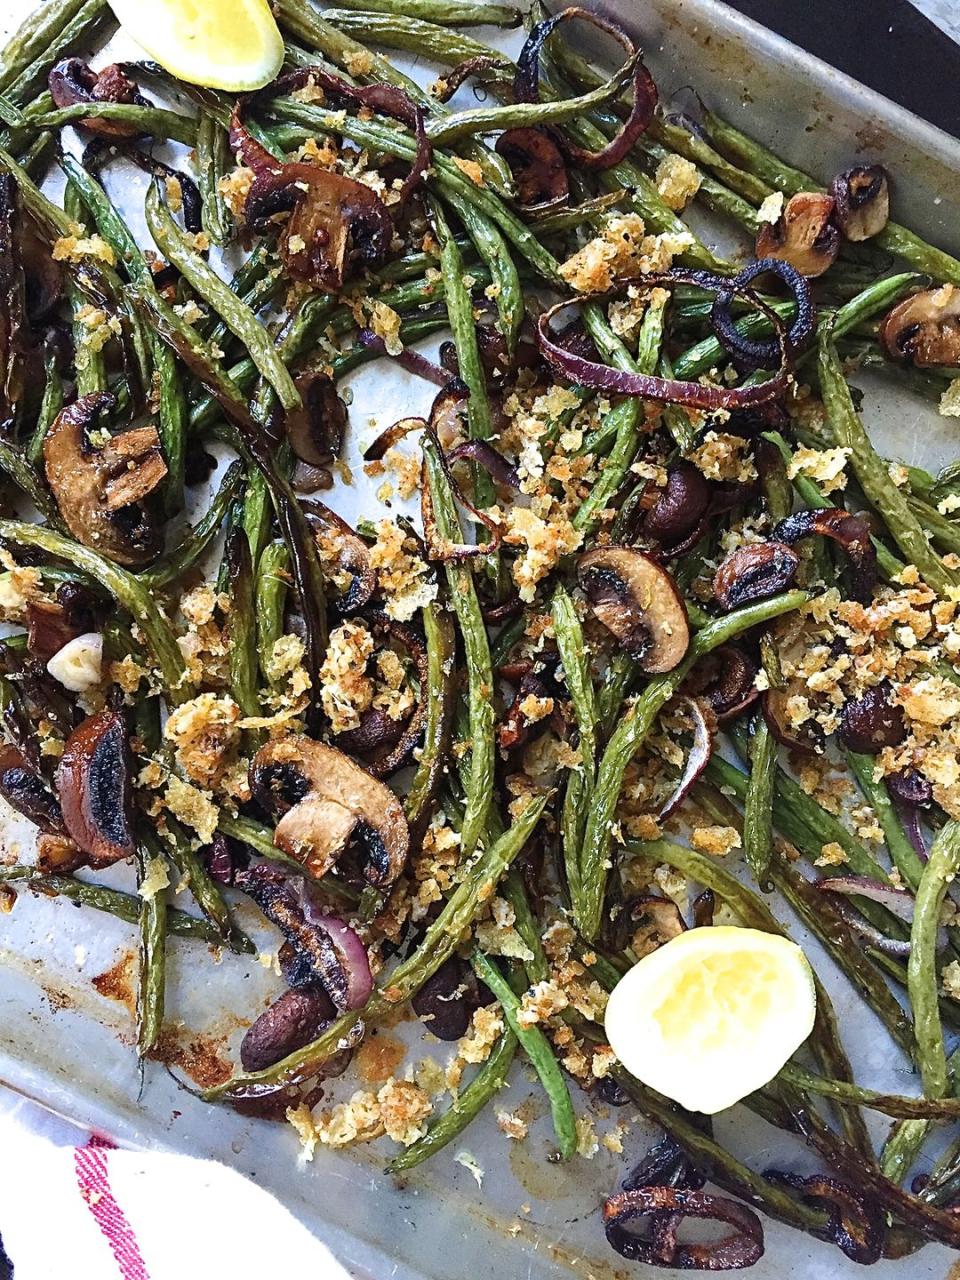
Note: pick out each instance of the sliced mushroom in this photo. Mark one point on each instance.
(680, 507)
(538, 168)
(325, 798)
(72, 81)
(861, 198)
(48, 628)
(804, 234)
(93, 784)
(102, 491)
(851, 532)
(656, 921)
(25, 790)
(726, 678)
(291, 1022)
(637, 601)
(353, 556)
(754, 572)
(774, 703)
(870, 723)
(316, 429)
(924, 329)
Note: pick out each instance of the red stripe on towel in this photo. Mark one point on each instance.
(93, 1180)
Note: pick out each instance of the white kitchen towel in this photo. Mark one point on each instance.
(93, 1212)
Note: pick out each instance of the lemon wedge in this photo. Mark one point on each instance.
(223, 44)
(712, 1015)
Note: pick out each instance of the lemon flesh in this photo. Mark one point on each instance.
(712, 1015)
(223, 44)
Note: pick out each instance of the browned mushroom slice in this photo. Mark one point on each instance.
(861, 201)
(72, 81)
(352, 555)
(775, 703)
(102, 491)
(93, 783)
(325, 798)
(538, 168)
(291, 1022)
(804, 234)
(315, 430)
(657, 920)
(335, 222)
(872, 722)
(924, 329)
(754, 572)
(638, 602)
(25, 790)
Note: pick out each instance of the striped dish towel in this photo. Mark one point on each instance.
(89, 1211)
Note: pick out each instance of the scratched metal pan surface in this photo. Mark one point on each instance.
(66, 980)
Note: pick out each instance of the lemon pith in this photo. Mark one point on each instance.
(712, 1015)
(223, 44)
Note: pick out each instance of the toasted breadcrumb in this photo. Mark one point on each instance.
(678, 181)
(203, 732)
(346, 691)
(193, 807)
(78, 245)
(718, 841)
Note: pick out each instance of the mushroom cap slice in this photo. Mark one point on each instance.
(636, 600)
(93, 786)
(924, 328)
(804, 235)
(324, 798)
(101, 491)
(862, 201)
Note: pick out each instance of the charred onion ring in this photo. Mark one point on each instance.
(856, 1224)
(741, 1249)
(526, 86)
(589, 373)
(751, 351)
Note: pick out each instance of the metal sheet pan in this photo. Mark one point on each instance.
(65, 984)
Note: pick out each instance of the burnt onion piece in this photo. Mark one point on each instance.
(102, 492)
(446, 1001)
(500, 470)
(292, 1021)
(851, 532)
(325, 944)
(637, 601)
(335, 222)
(72, 81)
(679, 508)
(387, 743)
(698, 757)
(384, 99)
(732, 1253)
(437, 548)
(94, 789)
(872, 722)
(924, 329)
(25, 790)
(726, 679)
(755, 571)
(486, 67)
(861, 198)
(325, 798)
(316, 430)
(804, 235)
(857, 1223)
(353, 556)
(538, 169)
(526, 86)
(754, 352)
(590, 373)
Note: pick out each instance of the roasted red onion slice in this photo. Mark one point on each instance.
(334, 953)
(851, 532)
(857, 1225)
(698, 757)
(412, 361)
(753, 352)
(384, 99)
(911, 792)
(898, 901)
(487, 67)
(727, 680)
(589, 373)
(734, 1252)
(487, 457)
(538, 169)
(526, 86)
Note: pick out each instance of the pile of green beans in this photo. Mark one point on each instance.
(538, 723)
